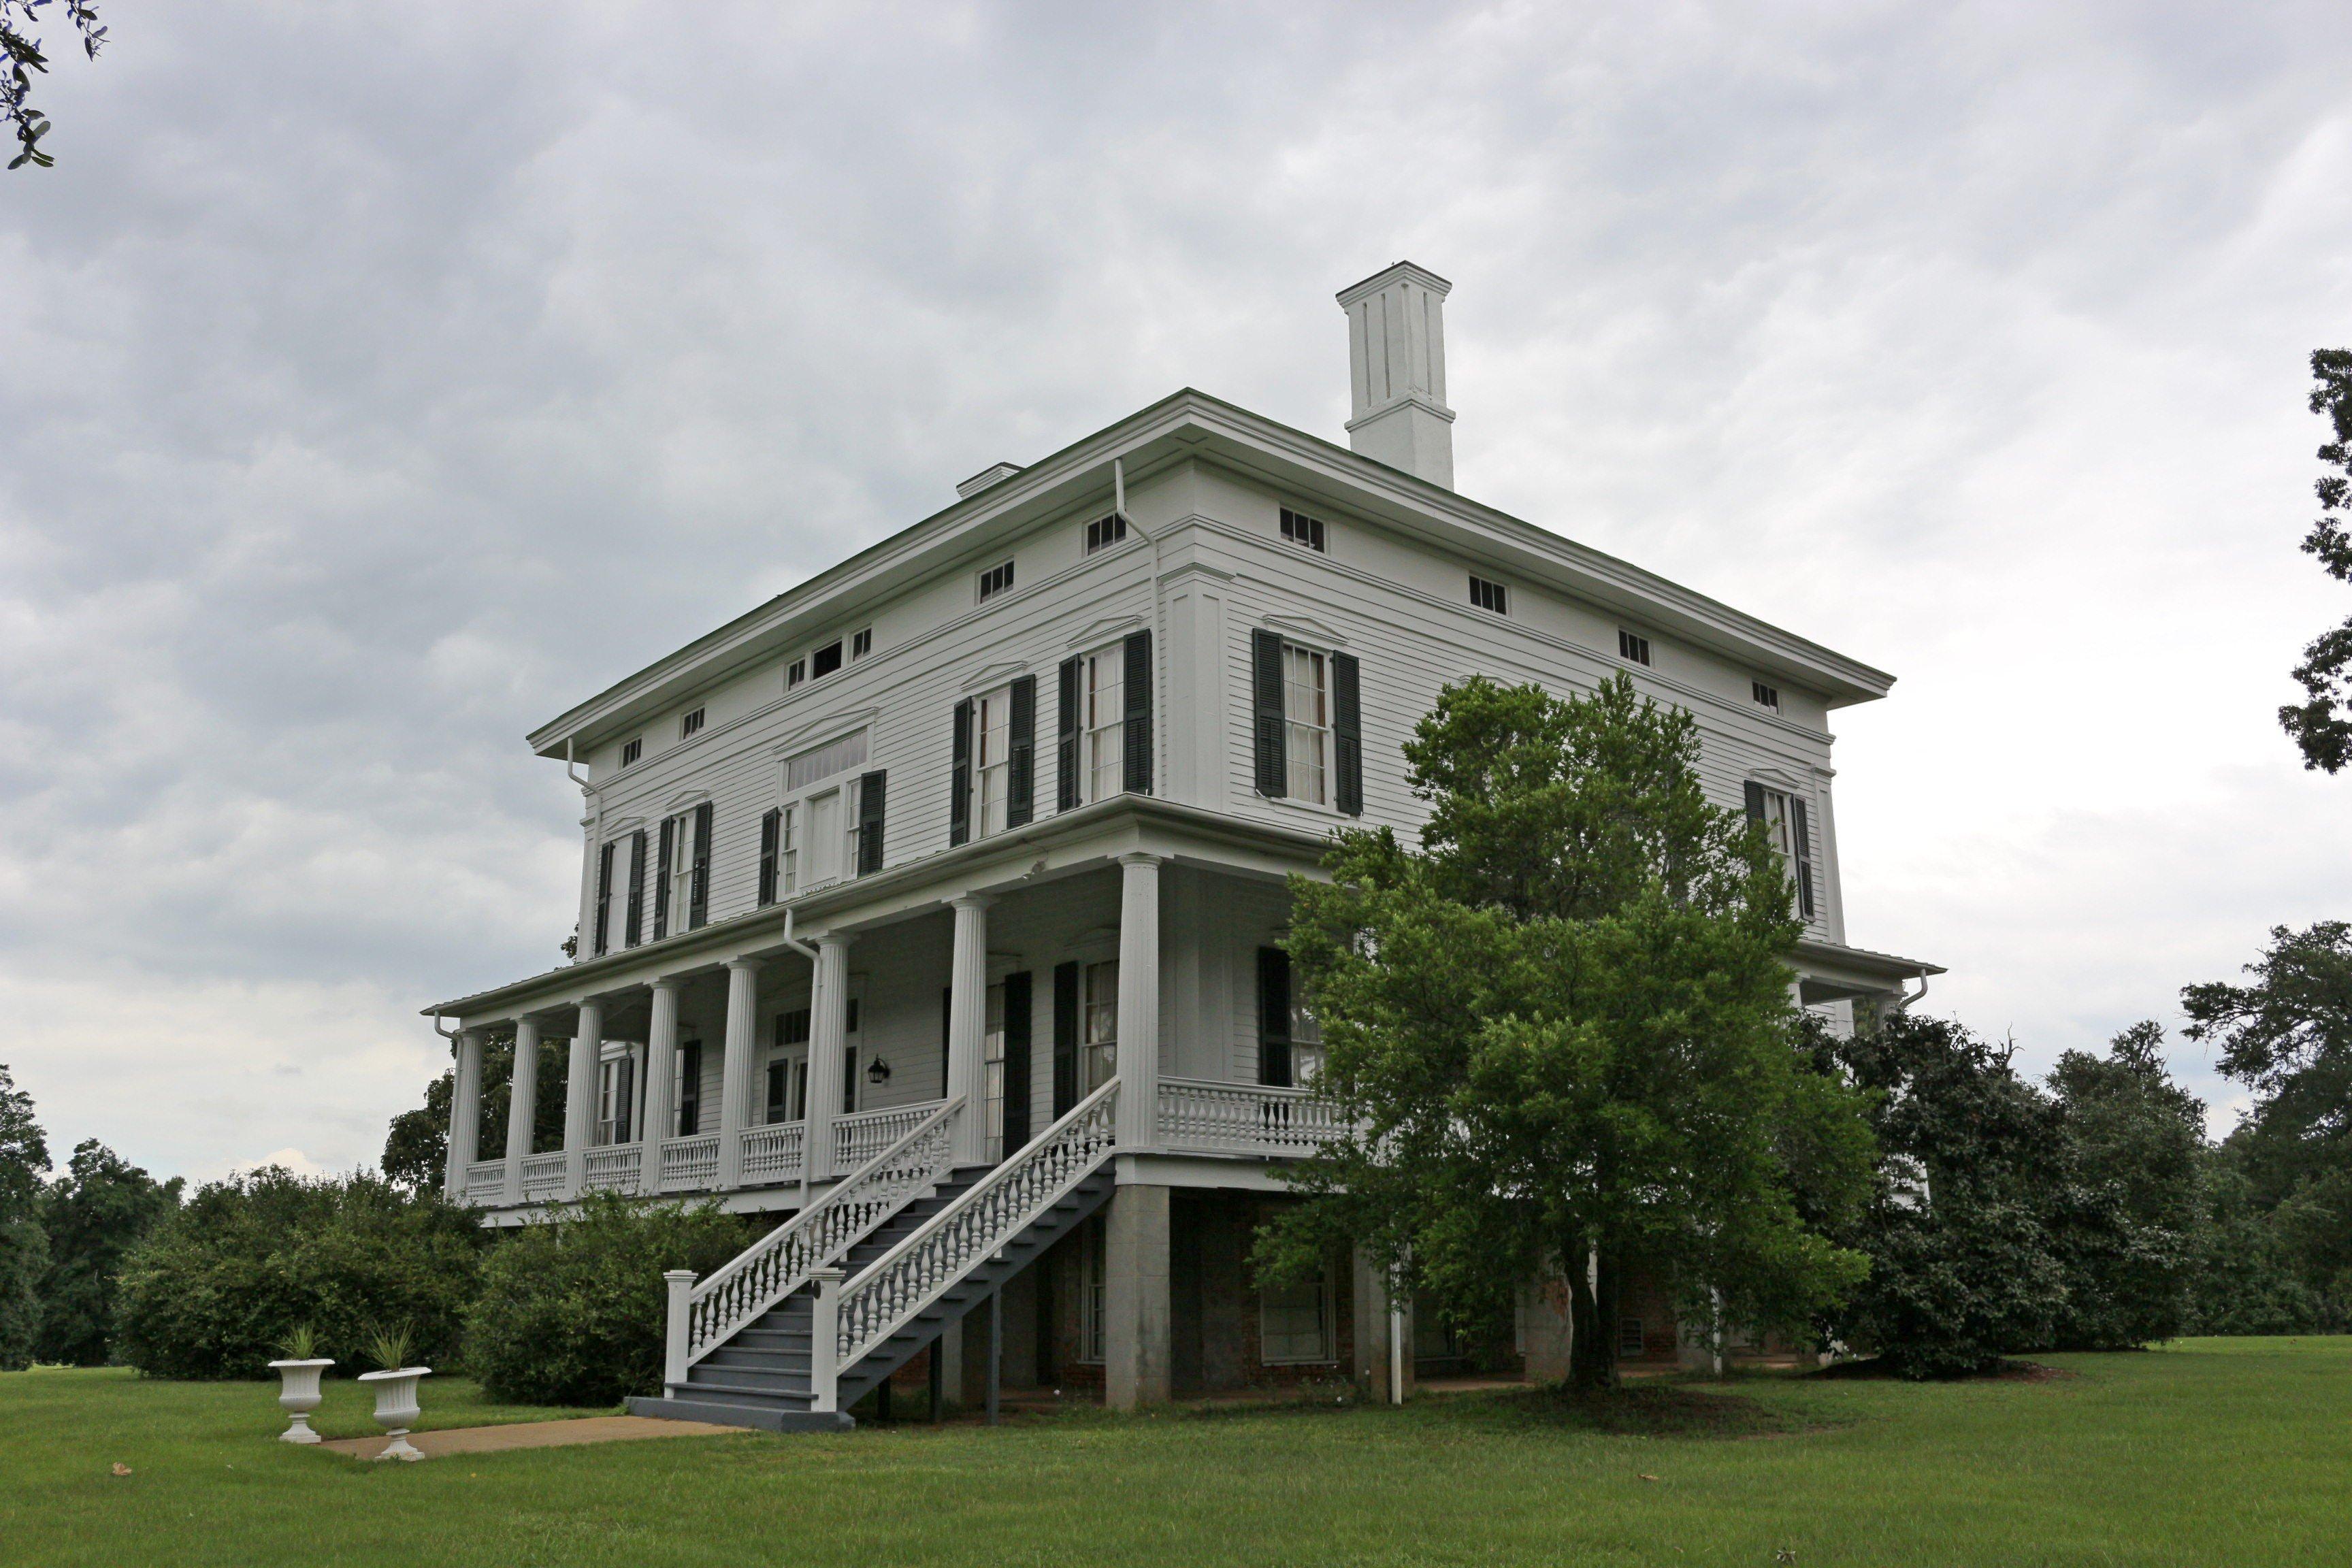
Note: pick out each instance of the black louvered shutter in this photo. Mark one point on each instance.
(636, 922)
(1066, 793)
(1805, 866)
(1273, 1069)
(959, 777)
(1135, 745)
(1016, 1061)
(1755, 793)
(697, 899)
(1066, 1038)
(1265, 701)
(873, 794)
(604, 898)
(661, 878)
(771, 836)
(1021, 761)
(1347, 733)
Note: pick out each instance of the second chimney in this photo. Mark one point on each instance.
(1396, 364)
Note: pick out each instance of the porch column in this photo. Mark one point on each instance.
(828, 1038)
(661, 1061)
(580, 1096)
(735, 1068)
(464, 1112)
(1138, 1002)
(968, 1025)
(522, 1104)
(1136, 1331)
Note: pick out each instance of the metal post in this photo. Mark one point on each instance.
(681, 1294)
(995, 1348)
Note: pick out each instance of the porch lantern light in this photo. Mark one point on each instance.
(877, 1072)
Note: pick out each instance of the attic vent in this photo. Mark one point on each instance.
(993, 473)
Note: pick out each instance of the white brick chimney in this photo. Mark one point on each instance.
(1396, 363)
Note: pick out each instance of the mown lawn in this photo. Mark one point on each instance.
(2208, 1452)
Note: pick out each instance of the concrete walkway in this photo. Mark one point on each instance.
(532, 1434)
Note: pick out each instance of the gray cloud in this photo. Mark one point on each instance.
(379, 382)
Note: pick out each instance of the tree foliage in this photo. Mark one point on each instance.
(23, 57)
(416, 1145)
(24, 1248)
(93, 1214)
(2321, 725)
(1563, 1027)
(218, 1286)
(571, 1309)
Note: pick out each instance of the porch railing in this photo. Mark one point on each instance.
(780, 1262)
(771, 1154)
(486, 1181)
(542, 1176)
(689, 1164)
(1244, 1117)
(613, 1168)
(857, 1139)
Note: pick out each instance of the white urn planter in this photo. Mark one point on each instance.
(395, 1407)
(298, 1395)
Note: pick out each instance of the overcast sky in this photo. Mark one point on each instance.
(376, 381)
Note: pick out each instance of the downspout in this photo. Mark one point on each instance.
(1911, 996)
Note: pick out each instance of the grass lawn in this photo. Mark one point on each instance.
(2208, 1452)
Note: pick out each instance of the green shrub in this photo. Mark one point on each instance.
(571, 1309)
(217, 1288)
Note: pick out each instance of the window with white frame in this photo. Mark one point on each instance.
(691, 724)
(1102, 697)
(615, 1100)
(991, 760)
(815, 825)
(825, 660)
(861, 642)
(1295, 1321)
(997, 579)
(1105, 531)
(1303, 530)
(1786, 824)
(631, 750)
(788, 1072)
(679, 831)
(1307, 723)
(1766, 696)
(991, 1071)
(1099, 1028)
(1488, 595)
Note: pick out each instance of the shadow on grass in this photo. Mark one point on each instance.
(1657, 1408)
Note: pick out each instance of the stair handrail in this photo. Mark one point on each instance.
(781, 1261)
(930, 1258)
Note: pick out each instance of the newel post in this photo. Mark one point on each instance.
(825, 1341)
(681, 1307)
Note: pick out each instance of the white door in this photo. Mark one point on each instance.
(826, 836)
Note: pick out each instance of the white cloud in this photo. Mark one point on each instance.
(380, 383)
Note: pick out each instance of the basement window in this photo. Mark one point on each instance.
(1490, 595)
(691, 724)
(631, 750)
(1633, 647)
(1105, 531)
(1303, 530)
(1766, 696)
(994, 581)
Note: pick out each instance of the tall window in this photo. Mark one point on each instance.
(1784, 819)
(615, 1098)
(1103, 699)
(1294, 1323)
(991, 760)
(816, 824)
(680, 829)
(992, 1082)
(788, 1075)
(1306, 720)
(1099, 1030)
(686, 1089)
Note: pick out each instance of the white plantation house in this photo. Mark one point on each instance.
(933, 907)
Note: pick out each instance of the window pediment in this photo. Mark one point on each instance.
(996, 675)
(1306, 630)
(1106, 630)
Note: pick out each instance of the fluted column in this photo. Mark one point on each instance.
(735, 1069)
(1139, 1000)
(661, 1063)
(580, 1096)
(522, 1104)
(464, 1112)
(968, 1025)
(828, 1038)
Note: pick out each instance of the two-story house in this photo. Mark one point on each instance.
(935, 905)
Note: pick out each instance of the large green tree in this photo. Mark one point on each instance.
(417, 1144)
(92, 1215)
(24, 1249)
(1562, 1027)
(2321, 725)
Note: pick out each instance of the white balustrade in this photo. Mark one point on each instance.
(945, 1248)
(613, 1168)
(857, 1139)
(486, 1181)
(788, 1257)
(689, 1164)
(1244, 1119)
(542, 1176)
(771, 1154)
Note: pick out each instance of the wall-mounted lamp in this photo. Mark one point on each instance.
(878, 1070)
